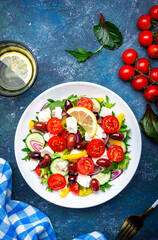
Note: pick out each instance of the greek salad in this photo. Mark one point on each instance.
(78, 145)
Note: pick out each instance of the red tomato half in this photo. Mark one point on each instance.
(74, 188)
(85, 102)
(57, 143)
(64, 134)
(85, 165)
(115, 153)
(95, 148)
(56, 181)
(54, 125)
(110, 124)
(38, 170)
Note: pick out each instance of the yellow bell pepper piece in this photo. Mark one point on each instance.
(116, 142)
(120, 118)
(74, 157)
(84, 192)
(31, 124)
(100, 99)
(63, 122)
(65, 192)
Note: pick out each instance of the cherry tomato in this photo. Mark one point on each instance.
(151, 93)
(145, 38)
(64, 134)
(126, 72)
(38, 170)
(129, 56)
(153, 74)
(139, 82)
(115, 153)
(54, 125)
(142, 65)
(85, 165)
(153, 51)
(110, 124)
(85, 102)
(154, 12)
(56, 181)
(95, 148)
(144, 22)
(57, 143)
(74, 188)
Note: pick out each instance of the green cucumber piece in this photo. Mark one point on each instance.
(124, 147)
(55, 169)
(96, 104)
(34, 137)
(102, 177)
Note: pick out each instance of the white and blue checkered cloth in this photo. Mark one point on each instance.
(20, 221)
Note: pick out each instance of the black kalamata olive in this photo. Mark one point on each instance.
(104, 162)
(41, 126)
(35, 155)
(72, 168)
(68, 104)
(94, 183)
(117, 136)
(71, 141)
(72, 179)
(96, 114)
(81, 145)
(45, 161)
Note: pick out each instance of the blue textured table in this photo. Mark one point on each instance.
(48, 28)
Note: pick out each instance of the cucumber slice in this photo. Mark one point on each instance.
(102, 177)
(124, 147)
(96, 105)
(55, 169)
(34, 137)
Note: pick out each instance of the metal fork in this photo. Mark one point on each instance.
(133, 224)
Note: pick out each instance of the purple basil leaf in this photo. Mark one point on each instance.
(149, 123)
(108, 34)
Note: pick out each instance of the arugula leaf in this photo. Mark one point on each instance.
(107, 103)
(149, 123)
(74, 98)
(26, 158)
(81, 54)
(50, 100)
(27, 150)
(112, 167)
(124, 163)
(81, 130)
(125, 132)
(108, 34)
(113, 114)
(105, 186)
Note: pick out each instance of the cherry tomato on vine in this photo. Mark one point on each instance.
(139, 81)
(95, 148)
(85, 102)
(153, 51)
(126, 72)
(151, 93)
(115, 153)
(142, 65)
(154, 12)
(129, 56)
(145, 38)
(144, 22)
(54, 125)
(57, 143)
(85, 165)
(153, 74)
(110, 124)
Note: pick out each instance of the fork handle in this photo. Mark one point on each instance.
(151, 208)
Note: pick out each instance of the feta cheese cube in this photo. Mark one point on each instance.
(105, 112)
(62, 166)
(46, 150)
(87, 137)
(75, 151)
(47, 136)
(44, 115)
(100, 132)
(32, 164)
(83, 180)
(71, 123)
(57, 112)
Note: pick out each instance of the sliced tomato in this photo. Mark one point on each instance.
(115, 153)
(85, 165)
(54, 125)
(95, 148)
(110, 124)
(85, 102)
(74, 188)
(64, 134)
(56, 181)
(57, 143)
(38, 170)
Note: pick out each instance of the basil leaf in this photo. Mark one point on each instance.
(107, 103)
(81, 55)
(108, 34)
(105, 186)
(149, 123)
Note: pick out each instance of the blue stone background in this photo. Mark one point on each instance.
(48, 28)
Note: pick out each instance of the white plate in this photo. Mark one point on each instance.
(60, 92)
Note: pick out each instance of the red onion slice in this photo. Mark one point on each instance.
(95, 171)
(106, 140)
(35, 130)
(37, 146)
(116, 173)
(78, 137)
(44, 106)
(100, 119)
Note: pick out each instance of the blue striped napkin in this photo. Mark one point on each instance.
(20, 221)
